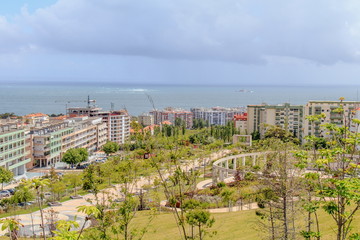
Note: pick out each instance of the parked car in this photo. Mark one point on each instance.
(23, 204)
(11, 190)
(83, 166)
(5, 193)
(47, 195)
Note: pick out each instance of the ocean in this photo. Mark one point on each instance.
(25, 98)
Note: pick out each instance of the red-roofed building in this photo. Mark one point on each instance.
(240, 122)
(36, 118)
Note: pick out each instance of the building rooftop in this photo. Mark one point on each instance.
(10, 127)
(35, 115)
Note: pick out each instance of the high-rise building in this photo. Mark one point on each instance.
(330, 116)
(146, 119)
(118, 122)
(216, 115)
(171, 114)
(13, 148)
(286, 116)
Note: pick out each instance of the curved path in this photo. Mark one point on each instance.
(68, 209)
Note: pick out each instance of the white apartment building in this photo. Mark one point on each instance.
(117, 122)
(327, 108)
(286, 116)
(13, 148)
(216, 115)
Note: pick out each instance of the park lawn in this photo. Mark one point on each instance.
(233, 225)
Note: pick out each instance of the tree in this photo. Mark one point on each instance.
(75, 155)
(73, 180)
(339, 192)
(5, 176)
(280, 186)
(201, 219)
(12, 225)
(111, 147)
(63, 232)
(280, 133)
(38, 185)
(23, 195)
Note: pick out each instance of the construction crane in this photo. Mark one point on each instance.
(88, 101)
(155, 111)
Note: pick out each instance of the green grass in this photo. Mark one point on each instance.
(234, 225)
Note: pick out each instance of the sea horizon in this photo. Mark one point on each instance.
(53, 97)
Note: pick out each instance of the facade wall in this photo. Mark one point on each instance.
(118, 122)
(216, 115)
(171, 115)
(13, 155)
(146, 120)
(327, 109)
(286, 116)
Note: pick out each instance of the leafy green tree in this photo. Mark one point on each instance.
(91, 179)
(23, 195)
(73, 180)
(12, 225)
(63, 230)
(5, 176)
(75, 155)
(280, 133)
(201, 219)
(111, 147)
(339, 192)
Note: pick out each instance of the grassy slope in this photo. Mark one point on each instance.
(234, 225)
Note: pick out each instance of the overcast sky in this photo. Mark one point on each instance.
(240, 42)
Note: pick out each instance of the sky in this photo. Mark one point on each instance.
(231, 42)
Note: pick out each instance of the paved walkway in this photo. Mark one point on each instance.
(68, 209)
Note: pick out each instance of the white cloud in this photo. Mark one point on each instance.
(244, 31)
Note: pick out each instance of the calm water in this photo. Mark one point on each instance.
(52, 98)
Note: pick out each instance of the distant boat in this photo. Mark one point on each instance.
(245, 91)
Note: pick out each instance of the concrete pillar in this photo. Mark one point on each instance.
(243, 161)
(227, 167)
(254, 160)
(214, 175)
(234, 163)
(221, 177)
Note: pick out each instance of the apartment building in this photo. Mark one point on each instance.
(36, 118)
(13, 148)
(240, 122)
(118, 125)
(171, 114)
(146, 119)
(47, 143)
(216, 115)
(286, 116)
(117, 122)
(327, 109)
(51, 141)
(89, 133)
